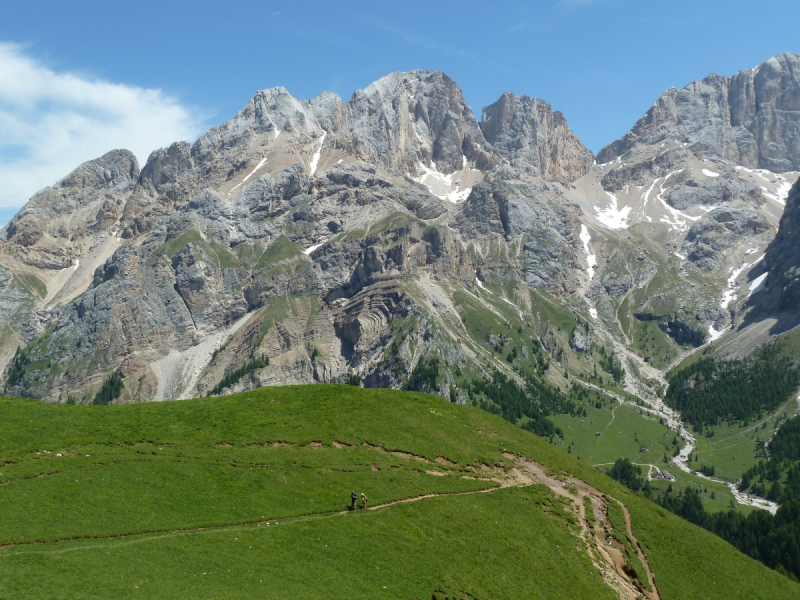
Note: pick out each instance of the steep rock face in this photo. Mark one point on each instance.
(213, 296)
(132, 306)
(782, 261)
(404, 122)
(751, 119)
(166, 167)
(330, 237)
(527, 133)
(539, 232)
(405, 119)
(269, 113)
(691, 192)
(49, 228)
(723, 228)
(132, 303)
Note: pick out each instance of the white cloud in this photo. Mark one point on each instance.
(50, 122)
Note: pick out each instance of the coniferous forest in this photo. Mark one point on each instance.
(770, 539)
(710, 391)
(778, 478)
(509, 400)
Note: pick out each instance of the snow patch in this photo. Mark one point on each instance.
(783, 189)
(759, 284)
(729, 295)
(593, 312)
(310, 249)
(77, 264)
(276, 132)
(317, 155)
(612, 216)
(708, 173)
(676, 219)
(779, 181)
(771, 196)
(591, 259)
(260, 164)
(442, 186)
(714, 334)
(650, 189)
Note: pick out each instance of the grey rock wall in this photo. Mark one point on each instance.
(751, 119)
(531, 137)
(782, 261)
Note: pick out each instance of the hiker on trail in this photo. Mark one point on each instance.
(364, 500)
(353, 498)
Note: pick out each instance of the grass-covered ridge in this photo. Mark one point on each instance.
(173, 500)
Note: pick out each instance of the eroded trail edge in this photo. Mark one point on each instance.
(610, 549)
(597, 530)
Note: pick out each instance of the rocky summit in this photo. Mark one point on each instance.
(329, 241)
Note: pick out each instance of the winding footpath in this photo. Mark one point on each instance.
(596, 534)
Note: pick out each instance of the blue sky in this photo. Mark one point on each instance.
(78, 79)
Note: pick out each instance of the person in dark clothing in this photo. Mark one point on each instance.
(353, 498)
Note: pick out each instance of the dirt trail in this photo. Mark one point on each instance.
(605, 552)
(603, 549)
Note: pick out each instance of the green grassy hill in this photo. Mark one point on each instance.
(247, 496)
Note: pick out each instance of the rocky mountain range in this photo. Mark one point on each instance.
(324, 240)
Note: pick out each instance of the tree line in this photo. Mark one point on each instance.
(234, 376)
(505, 397)
(777, 479)
(773, 540)
(710, 391)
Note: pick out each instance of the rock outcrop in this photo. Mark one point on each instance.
(723, 228)
(750, 119)
(349, 239)
(531, 137)
(52, 225)
(782, 261)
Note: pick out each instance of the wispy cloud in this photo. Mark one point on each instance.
(50, 122)
(516, 27)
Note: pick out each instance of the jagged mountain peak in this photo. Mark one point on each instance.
(342, 202)
(408, 81)
(530, 136)
(410, 123)
(747, 119)
(52, 224)
(417, 121)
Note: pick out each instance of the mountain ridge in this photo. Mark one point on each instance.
(396, 189)
(744, 109)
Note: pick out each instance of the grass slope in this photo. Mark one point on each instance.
(173, 500)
